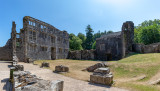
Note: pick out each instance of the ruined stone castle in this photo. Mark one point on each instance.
(116, 45)
(37, 40)
(112, 46)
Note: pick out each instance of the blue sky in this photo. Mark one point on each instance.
(75, 15)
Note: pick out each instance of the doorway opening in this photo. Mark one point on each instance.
(53, 53)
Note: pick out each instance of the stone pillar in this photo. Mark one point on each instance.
(13, 36)
(25, 26)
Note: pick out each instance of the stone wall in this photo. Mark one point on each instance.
(43, 41)
(82, 55)
(109, 47)
(151, 48)
(6, 51)
(115, 46)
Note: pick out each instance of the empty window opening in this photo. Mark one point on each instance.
(60, 50)
(17, 36)
(52, 39)
(18, 44)
(44, 48)
(32, 35)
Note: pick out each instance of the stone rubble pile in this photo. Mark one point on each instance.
(24, 81)
(93, 67)
(102, 76)
(18, 68)
(61, 68)
(45, 64)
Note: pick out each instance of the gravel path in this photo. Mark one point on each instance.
(70, 84)
(4, 76)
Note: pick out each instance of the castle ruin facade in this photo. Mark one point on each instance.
(37, 40)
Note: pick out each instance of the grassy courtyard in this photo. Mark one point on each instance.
(134, 72)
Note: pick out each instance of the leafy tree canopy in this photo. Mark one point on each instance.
(147, 32)
(75, 43)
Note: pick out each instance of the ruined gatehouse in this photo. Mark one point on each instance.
(37, 40)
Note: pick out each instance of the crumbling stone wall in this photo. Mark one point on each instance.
(88, 54)
(109, 47)
(75, 55)
(116, 45)
(38, 40)
(6, 51)
(82, 55)
(43, 41)
(151, 48)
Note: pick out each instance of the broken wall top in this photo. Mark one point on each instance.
(39, 23)
(111, 35)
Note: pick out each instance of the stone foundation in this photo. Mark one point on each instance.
(102, 76)
(61, 68)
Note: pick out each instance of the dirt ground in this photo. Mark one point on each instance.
(75, 67)
(4, 76)
(70, 84)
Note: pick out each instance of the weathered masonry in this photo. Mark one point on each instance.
(116, 45)
(38, 40)
(112, 46)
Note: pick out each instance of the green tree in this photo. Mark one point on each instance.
(89, 37)
(110, 31)
(94, 45)
(75, 43)
(149, 35)
(83, 38)
(96, 35)
(147, 32)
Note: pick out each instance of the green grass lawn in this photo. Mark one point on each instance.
(123, 70)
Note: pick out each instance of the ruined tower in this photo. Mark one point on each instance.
(127, 36)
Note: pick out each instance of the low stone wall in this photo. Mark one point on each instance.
(152, 48)
(82, 55)
(6, 52)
